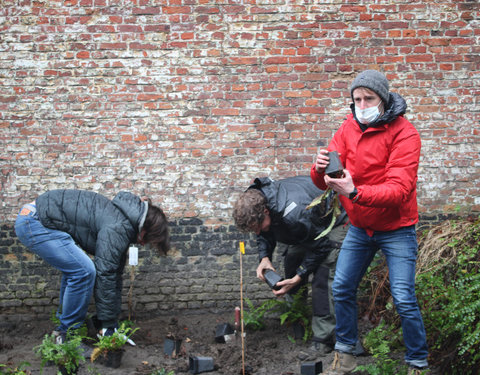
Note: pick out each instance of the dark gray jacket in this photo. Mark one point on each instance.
(102, 227)
(291, 223)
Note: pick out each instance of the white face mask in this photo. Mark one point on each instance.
(367, 115)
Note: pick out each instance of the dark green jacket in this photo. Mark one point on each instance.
(103, 228)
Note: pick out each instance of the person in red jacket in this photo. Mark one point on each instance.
(380, 152)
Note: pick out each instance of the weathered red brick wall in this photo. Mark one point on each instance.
(188, 100)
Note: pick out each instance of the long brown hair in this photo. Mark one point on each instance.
(156, 229)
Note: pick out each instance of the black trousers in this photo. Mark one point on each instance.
(323, 320)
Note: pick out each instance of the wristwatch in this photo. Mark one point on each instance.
(353, 194)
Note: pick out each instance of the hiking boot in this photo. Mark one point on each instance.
(359, 350)
(320, 348)
(317, 349)
(343, 363)
(413, 370)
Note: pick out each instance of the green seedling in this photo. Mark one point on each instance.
(20, 370)
(67, 355)
(114, 342)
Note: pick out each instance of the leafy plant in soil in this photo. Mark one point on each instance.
(81, 331)
(290, 312)
(448, 290)
(20, 370)
(254, 317)
(162, 372)
(296, 312)
(379, 342)
(66, 356)
(113, 343)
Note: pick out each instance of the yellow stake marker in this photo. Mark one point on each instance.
(242, 251)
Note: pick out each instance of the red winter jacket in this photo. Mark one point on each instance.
(383, 162)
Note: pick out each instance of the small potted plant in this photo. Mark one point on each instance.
(109, 349)
(19, 370)
(298, 315)
(66, 356)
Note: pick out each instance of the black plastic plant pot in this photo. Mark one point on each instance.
(112, 359)
(171, 347)
(298, 331)
(200, 364)
(62, 369)
(311, 368)
(334, 168)
(222, 330)
(272, 278)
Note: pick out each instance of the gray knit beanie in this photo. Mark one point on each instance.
(374, 81)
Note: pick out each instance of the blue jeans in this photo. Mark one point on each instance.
(58, 249)
(357, 252)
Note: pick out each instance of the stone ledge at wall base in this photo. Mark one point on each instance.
(7, 319)
(426, 220)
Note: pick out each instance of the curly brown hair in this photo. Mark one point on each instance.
(249, 210)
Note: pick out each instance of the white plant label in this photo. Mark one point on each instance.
(133, 255)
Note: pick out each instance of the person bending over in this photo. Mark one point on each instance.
(276, 212)
(67, 228)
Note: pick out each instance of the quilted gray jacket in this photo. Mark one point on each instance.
(103, 228)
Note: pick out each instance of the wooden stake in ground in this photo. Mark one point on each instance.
(130, 293)
(132, 261)
(242, 252)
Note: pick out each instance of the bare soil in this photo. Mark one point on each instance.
(271, 351)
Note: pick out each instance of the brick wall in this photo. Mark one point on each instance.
(188, 101)
(202, 273)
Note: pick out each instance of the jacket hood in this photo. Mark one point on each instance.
(396, 106)
(131, 206)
